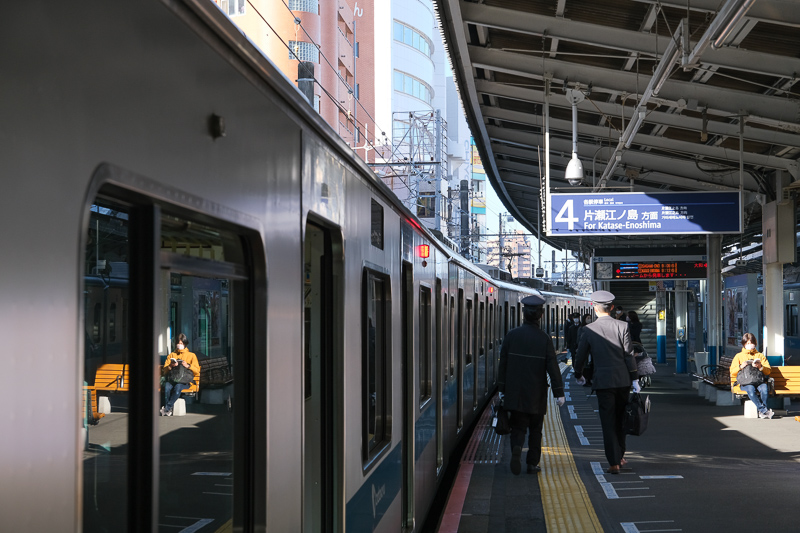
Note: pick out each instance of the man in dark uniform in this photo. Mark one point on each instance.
(609, 342)
(527, 357)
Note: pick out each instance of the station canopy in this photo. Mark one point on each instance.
(660, 88)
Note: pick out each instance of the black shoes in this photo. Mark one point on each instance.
(534, 469)
(516, 464)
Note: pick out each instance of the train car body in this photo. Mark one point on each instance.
(182, 185)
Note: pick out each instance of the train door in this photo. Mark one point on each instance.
(490, 357)
(408, 397)
(192, 284)
(470, 367)
(440, 365)
(460, 344)
(319, 369)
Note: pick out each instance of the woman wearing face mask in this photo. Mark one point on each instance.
(749, 356)
(172, 389)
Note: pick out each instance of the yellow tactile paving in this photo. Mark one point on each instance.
(566, 503)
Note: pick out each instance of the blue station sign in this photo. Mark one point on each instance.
(637, 213)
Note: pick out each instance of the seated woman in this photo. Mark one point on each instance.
(750, 357)
(177, 382)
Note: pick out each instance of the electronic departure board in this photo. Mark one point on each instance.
(654, 270)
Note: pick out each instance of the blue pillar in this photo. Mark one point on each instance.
(712, 355)
(681, 358)
(661, 327)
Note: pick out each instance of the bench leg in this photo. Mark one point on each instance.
(750, 410)
(725, 397)
(179, 409)
(103, 405)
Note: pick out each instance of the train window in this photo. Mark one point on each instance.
(376, 235)
(424, 345)
(513, 317)
(112, 322)
(547, 318)
(452, 334)
(491, 326)
(469, 333)
(481, 330)
(791, 321)
(376, 366)
(200, 291)
(98, 317)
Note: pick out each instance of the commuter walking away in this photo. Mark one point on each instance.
(527, 357)
(635, 325)
(608, 341)
(588, 367)
(754, 378)
(572, 336)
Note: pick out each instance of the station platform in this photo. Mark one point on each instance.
(699, 467)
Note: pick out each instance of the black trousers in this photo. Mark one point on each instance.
(522, 423)
(611, 404)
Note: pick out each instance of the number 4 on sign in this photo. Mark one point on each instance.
(569, 219)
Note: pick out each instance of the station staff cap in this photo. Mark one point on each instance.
(602, 297)
(533, 301)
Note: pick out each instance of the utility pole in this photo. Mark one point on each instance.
(438, 207)
(500, 249)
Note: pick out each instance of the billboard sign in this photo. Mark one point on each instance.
(639, 213)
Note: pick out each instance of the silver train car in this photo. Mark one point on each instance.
(183, 185)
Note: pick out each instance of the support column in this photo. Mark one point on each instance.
(714, 253)
(661, 327)
(681, 327)
(773, 313)
(780, 246)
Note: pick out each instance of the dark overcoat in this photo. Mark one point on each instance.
(609, 342)
(527, 357)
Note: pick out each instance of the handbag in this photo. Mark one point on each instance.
(637, 413)
(180, 374)
(500, 419)
(750, 375)
(645, 365)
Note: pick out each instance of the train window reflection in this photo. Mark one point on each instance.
(106, 360)
(424, 344)
(376, 368)
(202, 289)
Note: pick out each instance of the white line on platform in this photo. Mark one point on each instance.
(630, 527)
(660, 477)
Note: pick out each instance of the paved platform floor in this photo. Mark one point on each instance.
(698, 468)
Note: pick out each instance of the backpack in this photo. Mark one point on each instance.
(750, 375)
(180, 374)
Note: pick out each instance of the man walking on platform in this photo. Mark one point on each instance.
(609, 342)
(527, 357)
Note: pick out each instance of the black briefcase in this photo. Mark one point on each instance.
(637, 412)
(500, 419)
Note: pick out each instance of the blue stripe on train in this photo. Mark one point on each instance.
(365, 510)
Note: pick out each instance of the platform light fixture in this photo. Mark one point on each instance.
(574, 171)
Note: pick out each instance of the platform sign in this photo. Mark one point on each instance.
(657, 268)
(638, 213)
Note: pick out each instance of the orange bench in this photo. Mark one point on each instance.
(786, 382)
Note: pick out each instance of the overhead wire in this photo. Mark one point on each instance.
(333, 99)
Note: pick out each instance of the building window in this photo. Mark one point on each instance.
(412, 86)
(232, 7)
(426, 205)
(309, 6)
(303, 51)
(413, 38)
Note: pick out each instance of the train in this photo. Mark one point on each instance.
(161, 177)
